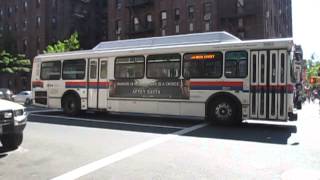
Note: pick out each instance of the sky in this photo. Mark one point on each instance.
(306, 26)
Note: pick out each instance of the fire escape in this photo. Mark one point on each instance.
(233, 20)
(140, 23)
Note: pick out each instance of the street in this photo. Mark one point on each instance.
(123, 146)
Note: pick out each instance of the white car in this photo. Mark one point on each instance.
(13, 119)
(23, 97)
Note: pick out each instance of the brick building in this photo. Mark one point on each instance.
(247, 19)
(28, 26)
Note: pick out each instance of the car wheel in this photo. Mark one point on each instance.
(11, 141)
(27, 102)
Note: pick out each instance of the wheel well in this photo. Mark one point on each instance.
(223, 95)
(69, 93)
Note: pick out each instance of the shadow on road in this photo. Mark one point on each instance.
(254, 132)
(3, 152)
(263, 133)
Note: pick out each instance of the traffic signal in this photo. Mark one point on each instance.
(313, 80)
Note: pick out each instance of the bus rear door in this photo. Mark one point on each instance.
(97, 84)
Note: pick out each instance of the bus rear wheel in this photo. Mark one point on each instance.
(71, 105)
(224, 111)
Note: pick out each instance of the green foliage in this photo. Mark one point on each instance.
(70, 44)
(14, 64)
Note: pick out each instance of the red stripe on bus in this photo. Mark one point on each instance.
(77, 83)
(37, 84)
(215, 83)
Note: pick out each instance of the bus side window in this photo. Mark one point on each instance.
(202, 65)
(129, 67)
(74, 69)
(104, 70)
(164, 66)
(236, 64)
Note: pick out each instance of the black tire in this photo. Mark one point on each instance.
(27, 102)
(11, 141)
(224, 111)
(71, 105)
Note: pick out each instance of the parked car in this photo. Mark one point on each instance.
(6, 94)
(13, 118)
(24, 97)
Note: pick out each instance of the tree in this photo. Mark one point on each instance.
(14, 64)
(313, 67)
(70, 44)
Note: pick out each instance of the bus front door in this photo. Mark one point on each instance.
(268, 85)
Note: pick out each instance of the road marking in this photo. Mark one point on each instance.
(91, 167)
(110, 122)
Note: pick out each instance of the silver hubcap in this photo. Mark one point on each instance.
(223, 111)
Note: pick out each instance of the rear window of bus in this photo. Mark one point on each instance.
(50, 70)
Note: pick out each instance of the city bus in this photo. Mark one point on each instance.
(214, 76)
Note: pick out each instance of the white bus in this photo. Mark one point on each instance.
(213, 75)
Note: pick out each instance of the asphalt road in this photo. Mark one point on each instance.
(113, 146)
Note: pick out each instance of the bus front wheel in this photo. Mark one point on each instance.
(71, 105)
(224, 111)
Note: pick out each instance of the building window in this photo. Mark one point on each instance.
(191, 12)
(163, 20)
(191, 27)
(10, 28)
(207, 11)
(240, 22)
(136, 24)
(25, 6)
(54, 22)
(25, 25)
(118, 27)
(207, 26)
(163, 32)
(118, 4)
(16, 27)
(1, 12)
(10, 11)
(38, 21)
(177, 28)
(38, 43)
(240, 6)
(54, 4)
(177, 14)
(149, 21)
(25, 45)
(38, 3)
